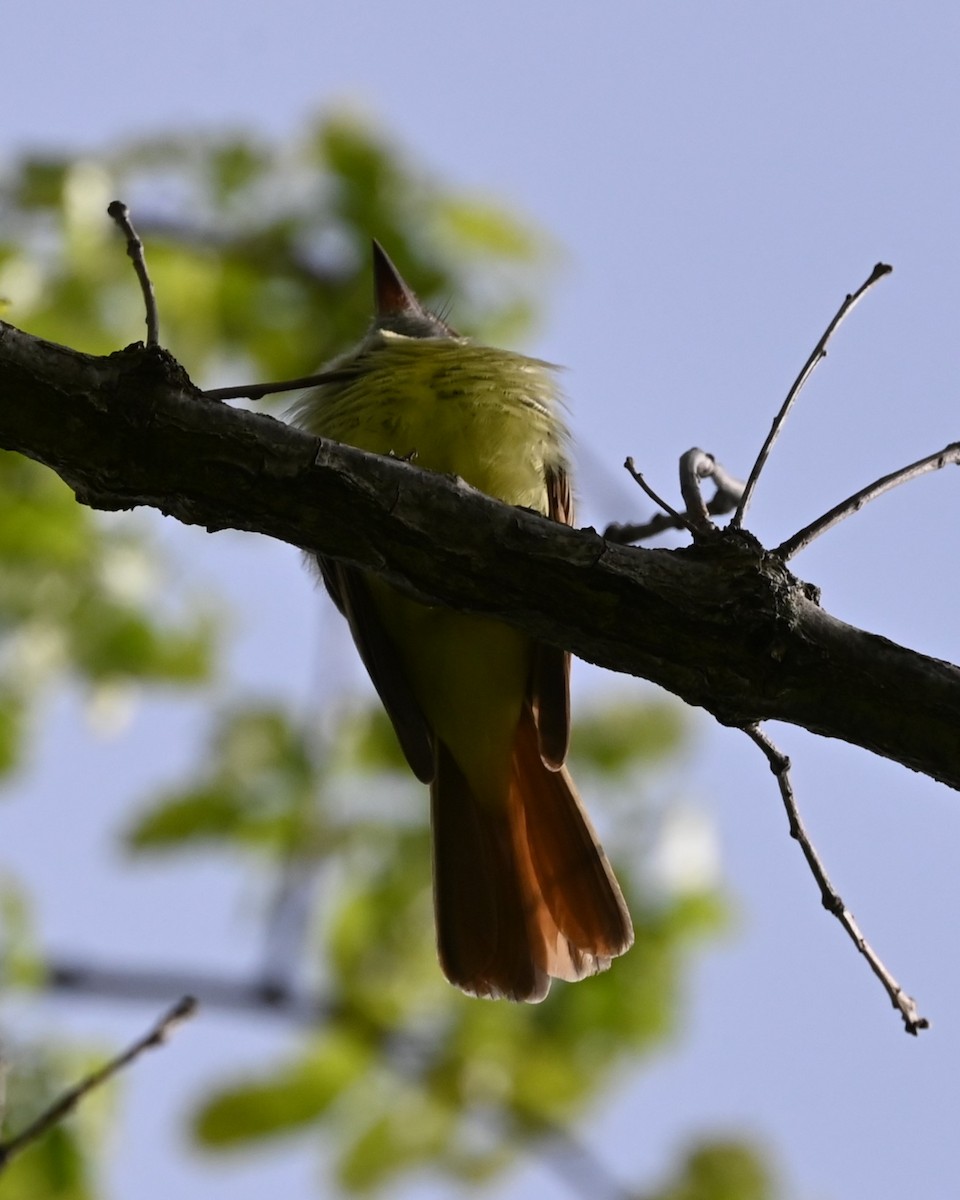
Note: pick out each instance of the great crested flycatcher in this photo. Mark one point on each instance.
(522, 888)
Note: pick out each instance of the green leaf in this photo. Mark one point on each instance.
(55, 1168)
(481, 228)
(40, 182)
(721, 1170)
(20, 955)
(283, 1102)
(115, 640)
(12, 721)
(259, 789)
(199, 816)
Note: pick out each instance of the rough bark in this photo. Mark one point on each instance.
(723, 625)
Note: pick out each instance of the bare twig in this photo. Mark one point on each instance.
(680, 521)
(948, 456)
(819, 352)
(780, 766)
(256, 391)
(121, 214)
(66, 1103)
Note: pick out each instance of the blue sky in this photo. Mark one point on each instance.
(718, 177)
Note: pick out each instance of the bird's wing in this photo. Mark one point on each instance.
(349, 591)
(550, 679)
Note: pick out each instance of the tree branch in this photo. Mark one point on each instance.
(151, 985)
(723, 625)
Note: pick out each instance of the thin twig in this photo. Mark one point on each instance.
(287, 924)
(66, 1103)
(819, 352)
(681, 522)
(780, 766)
(121, 214)
(948, 456)
(256, 391)
(694, 465)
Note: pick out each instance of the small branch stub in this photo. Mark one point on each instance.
(121, 214)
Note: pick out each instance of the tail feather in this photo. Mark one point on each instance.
(523, 890)
(483, 936)
(573, 876)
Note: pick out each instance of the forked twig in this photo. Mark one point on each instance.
(121, 214)
(819, 352)
(948, 456)
(695, 466)
(780, 766)
(66, 1103)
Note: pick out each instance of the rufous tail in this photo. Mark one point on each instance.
(523, 890)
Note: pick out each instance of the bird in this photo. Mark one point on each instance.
(523, 891)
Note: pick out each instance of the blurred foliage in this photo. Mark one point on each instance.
(720, 1170)
(19, 951)
(258, 790)
(259, 254)
(405, 1070)
(77, 598)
